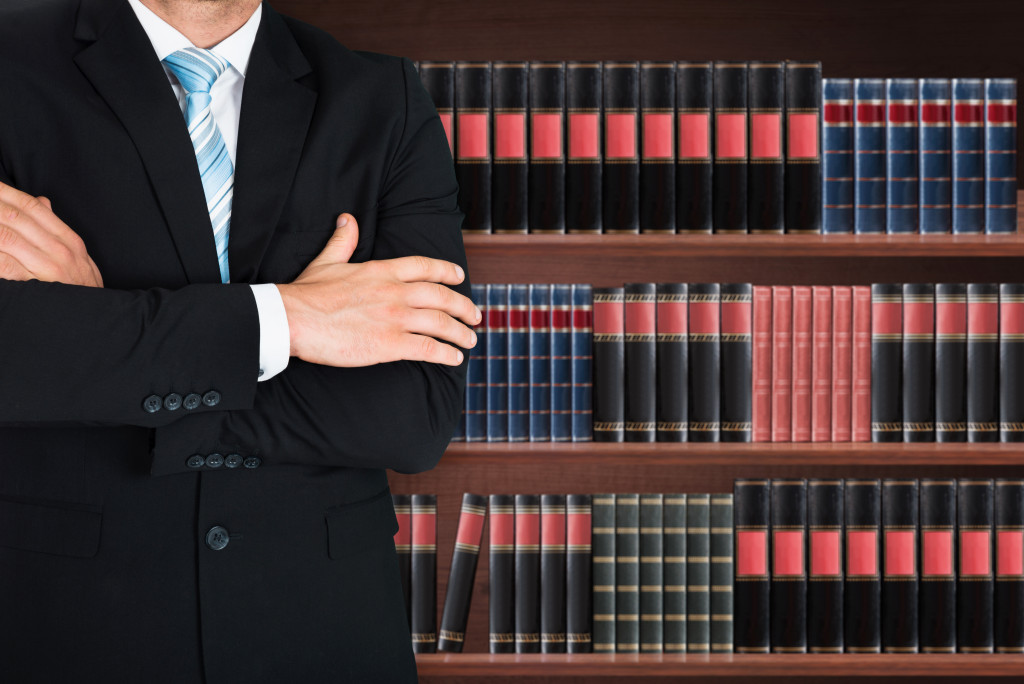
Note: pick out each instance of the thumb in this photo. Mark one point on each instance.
(341, 245)
(46, 202)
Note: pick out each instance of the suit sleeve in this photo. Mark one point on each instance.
(398, 415)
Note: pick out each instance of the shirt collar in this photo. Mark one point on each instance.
(167, 40)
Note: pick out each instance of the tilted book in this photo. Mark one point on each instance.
(459, 592)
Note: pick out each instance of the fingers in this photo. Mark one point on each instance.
(439, 324)
(415, 268)
(421, 348)
(435, 296)
(12, 269)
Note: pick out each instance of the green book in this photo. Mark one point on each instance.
(603, 571)
(651, 553)
(627, 573)
(698, 571)
(674, 573)
(721, 573)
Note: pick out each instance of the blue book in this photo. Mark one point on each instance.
(1000, 155)
(837, 141)
(968, 155)
(476, 372)
(869, 156)
(901, 155)
(936, 150)
(518, 364)
(497, 363)
(540, 362)
(582, 356)
(561, 362)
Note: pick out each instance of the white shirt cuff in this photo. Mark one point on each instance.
(275, 340)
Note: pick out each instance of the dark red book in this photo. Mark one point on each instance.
(509, 173)
(802, 342)
(860, 407)
(424, 573)
(473, 143)
(821, 364)
(842, 362)
(459, 591)
(782, 363)
(547, 147)
(761, 399)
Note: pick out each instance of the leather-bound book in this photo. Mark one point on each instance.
(789, 567)
(1000, 155)
(501, 570)
(766, 90)
(518, 362)
(657, 147)
(918, 362)
(459, 592)
(935, 165)
(694, 97)
(825, 565)
(821, 364)
(974, 588)
(860, 406)
(752, 509)
(473, 143)
(900, 579)
(603, 540)
(578, 573)
(582, 362)
(782, 363)
(803, 147)
(552, 573)
(497, 362)
(721, 577)
(869, 156)
(438, 79)
(561, 362)
(803, 341)
(651, 573)
(424, 573)
(621, 201)
(837, 141)
(1011, 362)
(862, 594)
(509, 195)
(584, 98)
(983, 362)
(842, 363)
(540, 362)
(609, 364)
(403, 547)
(640, 309)
(761, 365)
(1009, 586)
(729, 196)
(901, 153)
(547, 147)
(968, 155)
(950, 362)
(627, 573)
(737, 352)
(674, 573)
(698, 573)
(671, 364)
(937, 606)
(527, 587)
(886, 363)
(704, 401)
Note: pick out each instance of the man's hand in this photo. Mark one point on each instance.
(347, 315)
(36, 245)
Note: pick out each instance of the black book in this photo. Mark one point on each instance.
(752, 508)
(722, 557)
(674, 573)
(552, 573)
(627, 573)
(729, 197)
(789, 570)
(1011, 362)
(862, 595)
(803, 147)
(670, 360)
(584, 97)
(639, 315)
(501, 571)
(603, 540)
(527, 589)
(974, 588)
(657, 158)
(950, 362)
(899, 583)
(918, 362)
(825, 554)
(1009, 590)
(698, 573)
(621, 150)
(403, 547)
(737, 358)
(609, 364)
(693, 158)
(765, 190)
(704, 357)
(473, 143)
(651, 573)
(424, 573)
(886, 362)
(547, 147)
(578, 573)
(983, 362)
(463, 571)
(509, 196)
(439, 81)
(937, 606)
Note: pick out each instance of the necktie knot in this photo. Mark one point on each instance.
(196, 69)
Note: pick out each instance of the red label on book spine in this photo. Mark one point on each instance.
(751, 553)
(657, 135)
(552, 529)
(731, 136)
(497, 318)
(582, 319)
(803, 136)
(788, 547)
(1010, 553)
(886, 318)
(547, 136)
(902, 113)
(736, 318)
(871, 113)
(982, 318)
(937, 553)
(951, 318)
(471, 526)
(671, 317)
(540, 319)
(967, 113)
(975, 547)
(825, 553)
(1002, 113)
(620, 136)
(861, 553)
(527, 529)
(766, 136)
(640, 317)
(919, 318)
(584, 141)
(694, 136)
(472, 132)
(838, 113)
(518, 319)
(578, 525)
(609, 318)
(446, 121)
(404, 535)
(933, 114)
(424, 529)
(704, 318)
(1011, 318)
(900, 547)
(510, 136)
(502, 526)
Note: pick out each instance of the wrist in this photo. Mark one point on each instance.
(292, 304)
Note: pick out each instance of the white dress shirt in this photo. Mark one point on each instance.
(275, 343)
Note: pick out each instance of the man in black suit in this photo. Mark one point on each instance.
(166, 514)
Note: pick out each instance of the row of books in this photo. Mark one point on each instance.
(724, 147)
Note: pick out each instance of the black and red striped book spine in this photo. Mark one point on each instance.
(789, 568)
(862, 595)
(803, 339)
(403, 547)
(761, 365)
(473, 143)
(842, 363)
(501, 574)
(782, 363)
(671, 361)
(736, 372)
(584, 97)
(552, 573)
(609, 364)
(983, 362)
(974, 588)
(547, 147)
(509, 195)
(729, 196)
(825, 558)
(1009, 586)
(527, 586)
(459, 591)
(765, 191)
(621, 149)
(578, 585)
(950, 362)
(821, 364)
(803, 147)
(657, 150)
(1011, 362)
(886, 362)
(860, 404)
(704, 402)
(694, 96)
(424, 573)
(937, 614)
(752, 585)
(900, 579)
(439, 81)
(640, 310)
(918, 362)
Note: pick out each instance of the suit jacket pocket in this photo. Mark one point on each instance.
(361, 525)
(58, 528)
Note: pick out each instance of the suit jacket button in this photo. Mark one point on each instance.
(252, 462)
(233, 461)
(195, 461)
(214, 461)
(152, 403)
(211, 398)
(192, 401)
(217, 538)
(172, 402)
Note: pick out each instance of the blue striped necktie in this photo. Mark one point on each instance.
(197, 70)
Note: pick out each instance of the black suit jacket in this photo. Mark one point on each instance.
(105, 570)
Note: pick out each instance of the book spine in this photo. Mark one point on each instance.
(459, 590)
(609, 364)
(403, 547)
(540, 362)
(782, 363)
(766, 193)
(547, 147)
(518, 363)
(838, 171)
(983, 362)
(473, 143)
(501, 574)
(578, 573)
(789, 571)
(561, 362)
(651, 573)
(704, 401)
(721, 576)
(729, 177)
(693, 158)
(438, 80)
(900, 580)
(918, 362)
(950, 362)
(698, 573)
(761, 366)
(752, 503)
(582, 362)
(603, 538)
(1008, 630)
(886, 362)
(671, 361)
(527, 573)
(509, 193)
(901, 155)
(621, 151)
(974, 589)
(552, 573)
(860, 405)
(640, 308)
(869, 156)
(476, 371)
(497, 362)
(736, 369)
(1000, 155)
(937, 608)
(1011, 362)
(803, 339)
(936, 146)
(825, 556)
(674, 573)
(424, 573)
(658, 158)
(803, 147)
(842, 363)
(968, 155)
(627, 573)
(821, 364)
(584, 96)
(862, 594)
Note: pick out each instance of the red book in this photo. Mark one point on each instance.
(821, 365)
(842, 362)
(761, 408)
(802, 341)
(860, 408)
(782, 363)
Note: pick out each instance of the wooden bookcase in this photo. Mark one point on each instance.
(868, 38)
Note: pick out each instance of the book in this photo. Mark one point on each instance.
(1011, 362)
(842, 364)
(1000, 155)
(736, 358)
(640, 309)
(693, 158)
(838, 158)
(803, 173)
(463, 571)
(869, 189)
(766, 192)
(860, 407)
(803, 339)
(552, 573)
(674, 573)
(476, 371)
(900, 579)
(901, 155)
(518, 362)
(547, 147)
(403, 547)
(862, 592)
(983, 362)
(698, 573)
(671, 367)
(584, 97)
(501, 574)
(918, 362)
(825, 572)
(497, 362)
(424, 573)
(651, 573)
(473, 143)
(582, 362)
(752, 585)
(704, 357)
(627, 573)
(950, 362)
(886, 362)
(604, 551)
(729, 174)
(789, 569)
(935, 169)
(782, 363)
(509, 191)
(968, 155)
(621, 202)
(974, 588)
(657, 157)
(1008, 508)
(821, 364)
(578, 573)
(761, 365)
(438, 78)
(527, 573)
(937, 606)
(721, 573)
(540, 362)
(609, 364)
(561, 362)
